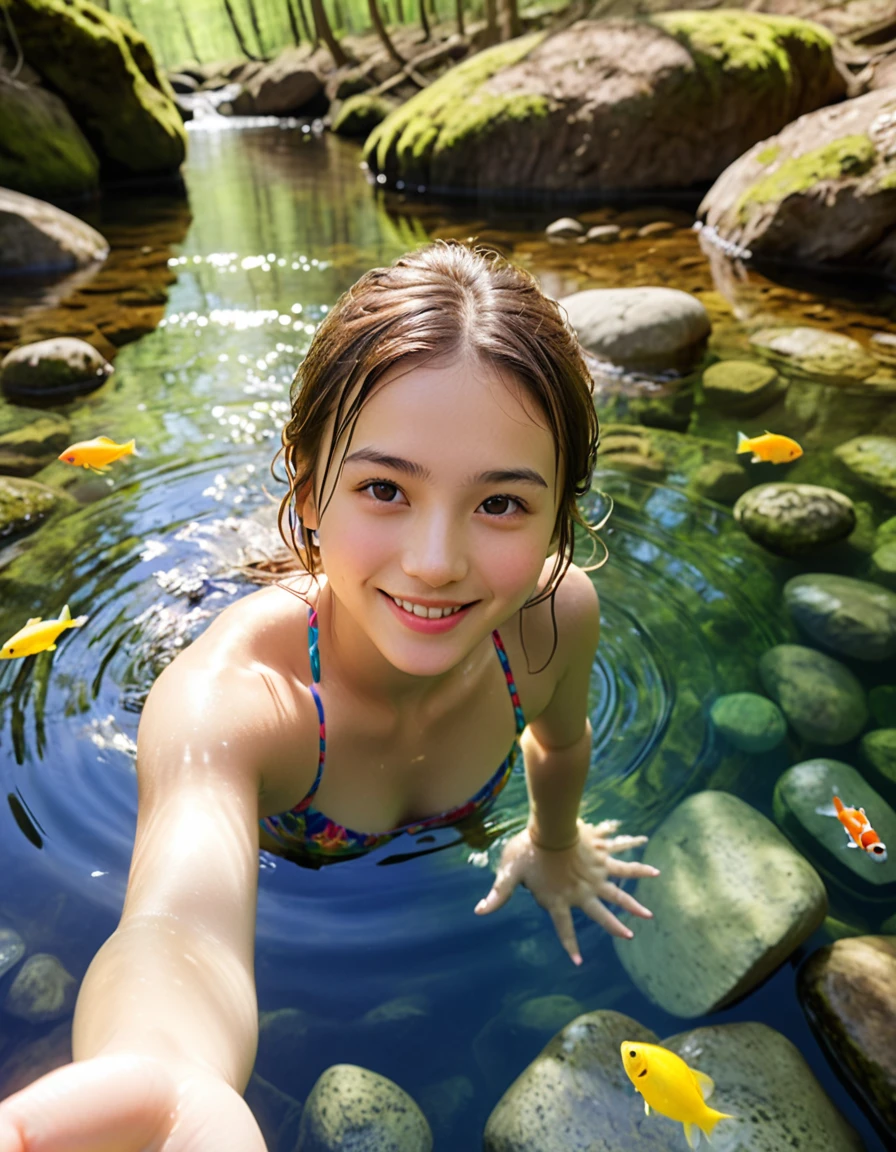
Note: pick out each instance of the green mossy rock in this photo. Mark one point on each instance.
(822, 699)
(848, 992)
(352, 1107)
(886, 533)
(878, 750)
(749, 722)
(733, 901)
(43, 152)
(850, 617)
(871, 459)
(741, 387)
(720, 480)
(28, 448)
(59, 368)
(816, 354)
(762, 1079)
(360, 114)
(104, 71)
(795, 519)
(803, 809)
(24, 505)
(882, 702)
(882, 565)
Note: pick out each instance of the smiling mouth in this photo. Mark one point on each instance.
(425, 612)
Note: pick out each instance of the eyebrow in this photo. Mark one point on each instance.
(409, 468)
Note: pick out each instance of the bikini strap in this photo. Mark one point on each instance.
(314, 660)
(511, 685)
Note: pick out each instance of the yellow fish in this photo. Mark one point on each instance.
(671, 1088)
(98, 453)
(770, 447)
(39, 635)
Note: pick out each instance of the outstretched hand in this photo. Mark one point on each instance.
(574, 877)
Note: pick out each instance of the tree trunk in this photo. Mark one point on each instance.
(510, 20)
(311, 34)
(492, 31)
(459, 10)
(399, 12)
(256, 28)
(380, 28)
(325, 32)
(424, 21)
(237, 31)
(293, 25)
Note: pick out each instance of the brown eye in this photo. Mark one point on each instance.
(382, 491)
(500, 505)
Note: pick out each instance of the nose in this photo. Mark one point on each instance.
(435, 551)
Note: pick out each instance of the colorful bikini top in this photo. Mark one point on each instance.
(306, 831)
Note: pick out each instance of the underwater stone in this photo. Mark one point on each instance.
(886, 533)
(873, 460)
(697, 955)
(851, 617)
(26, 449)
(882, 565)
(61, 368)
(741, 387)
(42, 990)
(807, 787)
(12, 949)
(749, 722)
(721, 480)
(794, 519)
(822, 699)
(882, 702)
(352, 1107)
(575, 1095)
(765, 1082)
(878, 751)
(444, 1101)
(813, 352)
(848, 992)
(519, 1027)
(639, 327)
(38, 237)
(24, 505)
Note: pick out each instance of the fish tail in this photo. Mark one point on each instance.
(710, 1118)
(838, 804)
(78, 622)
(743, 442)
(65, 614)
(130, 449)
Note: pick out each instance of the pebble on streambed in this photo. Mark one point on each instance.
(749, 722)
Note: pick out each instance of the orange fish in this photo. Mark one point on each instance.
(97, 454)
(769, 447)
(858, 828)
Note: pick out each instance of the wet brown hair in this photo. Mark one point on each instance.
(442, 300)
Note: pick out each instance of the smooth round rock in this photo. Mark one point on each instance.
(886, 533)
(749, 722)
(24, 505)
(59, 369)
(12, 949)
(851, 617)
(882, 565)
(721, 480)
(353, 1108)
(822, 700)
(878, 751)
(741, 387)
(38, 237)
(566, 229)
(42, 990)
(763, 1080)
(639, 327)
(814, 352)
(882, 702)
(602, 234)
(871, 459)
(803, 804)
(723, 866)
(794, 519)
(848, 992)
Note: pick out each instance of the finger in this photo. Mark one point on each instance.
(603, 916)
(502, 890)
(562, 918)
(627, 869)
(623, 843)
(605, 827)
(624, 900)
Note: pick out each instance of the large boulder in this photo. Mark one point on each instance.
(848, 992)
(43, 152)
(38, 237)
(560, 112)
(821, 191)
(794, 519)
(758, 901)
(352, 1107)
(105, 72)
(850, 617)
(56, 369)
(803, 808)
(822, 700)
(871, 459)
(282, 87)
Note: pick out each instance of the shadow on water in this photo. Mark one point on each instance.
(371, 962)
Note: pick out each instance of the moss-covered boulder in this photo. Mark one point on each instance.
(886, 533)
(850, 617)
(558, 113)
(821, 191)
(43, 152)
(795, 519)
(105, 72)
(53, 369)
(813, 353)
(882, 702)
(352, 1107)
(281, 87)
(878, 752)
(720, 480)
(741, 387)
(882, 565)
(871, 459)
(848, 992)
(749, 722)
(33, 442)
(24, 505)
(758, 901)
(803, 809)
(38, 237)
(822, 700)
(360, 114)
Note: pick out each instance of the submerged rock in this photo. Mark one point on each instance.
(42, 991)
(851, 617)
(38, 237)
(762, 1079)
(749, 722)
(352, 1107)
(827, 357)
(24, 505)
(35, 443)
(822, 700)
(882, 566)
(720, 480)
(519, 1027)
(741, 387)
(802, 803)
(358, 115)
(758, 900)
(878, 751)
(848, 992)
(12, 949)
(795, 519)
(61, 368)
(871, 459)
(639, 327)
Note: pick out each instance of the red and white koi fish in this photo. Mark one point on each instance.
(859, 830)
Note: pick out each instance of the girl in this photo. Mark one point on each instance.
(442, 428)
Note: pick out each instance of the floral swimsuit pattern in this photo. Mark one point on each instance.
(308, 831)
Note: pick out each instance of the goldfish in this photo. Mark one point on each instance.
(672, 1088)
(770, 447)
(97, 454)
(858, 830)
(39, 635)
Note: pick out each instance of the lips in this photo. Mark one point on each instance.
(413, 618)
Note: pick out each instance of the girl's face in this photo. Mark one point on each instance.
(437, 526)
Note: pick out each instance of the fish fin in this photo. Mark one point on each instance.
(65, 614)
(705, 1083)
(646, 1108)
(34, 620)
(51, 648)
(850, 843)
(106, 440)
(864, 813)
(756, 459)
(692, 1134)
(99, 471)
(741, 440)
(131, 448)
(710, 1119)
